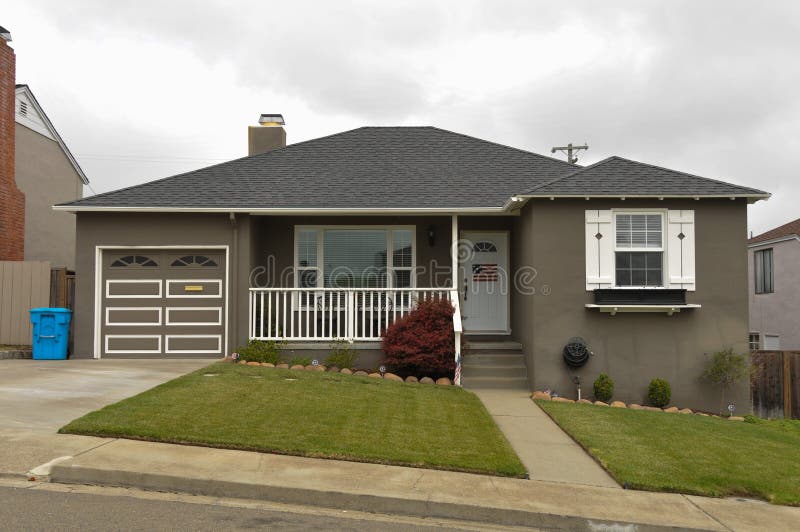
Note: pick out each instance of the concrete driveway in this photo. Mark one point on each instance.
(37, 397)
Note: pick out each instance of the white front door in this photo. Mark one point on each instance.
(484, 281)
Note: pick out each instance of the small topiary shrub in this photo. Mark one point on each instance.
(261, 351)
(423, 341)
(659, 393)
(342, 355)
(726, 369)
(603, 388)
(302, 361)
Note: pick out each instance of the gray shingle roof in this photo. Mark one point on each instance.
(380, 168)
(615, 176)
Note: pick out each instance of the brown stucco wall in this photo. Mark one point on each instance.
(46, 177)
(632, 348)
(146, 229)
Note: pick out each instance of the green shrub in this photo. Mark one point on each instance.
(261, 351)
(342, 355)
(603, 388)
(659, 393)
(302, 361)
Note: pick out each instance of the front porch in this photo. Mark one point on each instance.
(324, 279)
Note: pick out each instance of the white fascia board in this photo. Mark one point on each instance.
(32, 99)
(282, 211)
(649, 196)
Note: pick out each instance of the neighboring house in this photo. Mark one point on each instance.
(47, 173)
(774, 260)
(38, 171)
(337, 236)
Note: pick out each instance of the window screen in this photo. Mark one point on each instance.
(764, 275)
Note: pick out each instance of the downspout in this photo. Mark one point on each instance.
(234, 266)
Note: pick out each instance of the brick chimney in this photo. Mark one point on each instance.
(12, 201)
(267, 136)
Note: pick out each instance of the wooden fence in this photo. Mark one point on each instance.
(775, 384)
(23, 286)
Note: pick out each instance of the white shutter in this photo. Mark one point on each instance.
(599, 250)
(680, 249)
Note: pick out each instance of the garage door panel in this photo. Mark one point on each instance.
(133, 316)
(194, 288)
(193, 343)
(133, 288)
(133, 343)
(163, 302)
(193, 316)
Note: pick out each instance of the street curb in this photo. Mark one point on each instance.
(67, 473)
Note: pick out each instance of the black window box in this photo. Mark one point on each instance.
(640, 296)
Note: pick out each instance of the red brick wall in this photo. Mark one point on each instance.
(12, 201)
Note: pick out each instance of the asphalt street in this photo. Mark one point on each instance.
(43, 509)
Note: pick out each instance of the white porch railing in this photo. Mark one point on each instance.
(332, 313)
(361, 314)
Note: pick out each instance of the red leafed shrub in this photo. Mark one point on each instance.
(423, 342)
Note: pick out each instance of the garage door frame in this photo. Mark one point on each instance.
(98, 286)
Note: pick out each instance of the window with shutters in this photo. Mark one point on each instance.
(639, 250)
(344, 257)
(763, 269)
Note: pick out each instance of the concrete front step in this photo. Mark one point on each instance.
(495, 359)
(494, 347)
(481, 370)
(495, 383)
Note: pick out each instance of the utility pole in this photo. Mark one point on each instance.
(569, 148)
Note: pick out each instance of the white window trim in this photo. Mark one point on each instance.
(662, 250)
(320, 267)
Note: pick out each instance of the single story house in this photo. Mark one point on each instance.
(338, 236)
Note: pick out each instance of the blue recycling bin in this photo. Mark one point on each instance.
(50, 333)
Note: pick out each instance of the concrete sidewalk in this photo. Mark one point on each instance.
(407, 491)
(547, 452)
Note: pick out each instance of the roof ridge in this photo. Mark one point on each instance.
(526, 152)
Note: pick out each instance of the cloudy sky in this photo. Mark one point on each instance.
(141, 90)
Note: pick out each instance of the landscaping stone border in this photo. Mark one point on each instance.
(545, 396)
(15, 354)
(443, 381)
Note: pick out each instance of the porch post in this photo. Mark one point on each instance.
(454, 252)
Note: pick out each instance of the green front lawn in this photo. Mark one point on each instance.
(311, 413)
(687, 453)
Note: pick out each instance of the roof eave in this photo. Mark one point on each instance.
(752, 198)
(282, 211)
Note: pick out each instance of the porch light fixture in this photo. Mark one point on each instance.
(271, 119)
(431, 232)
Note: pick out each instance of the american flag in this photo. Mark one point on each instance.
(484, 272)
